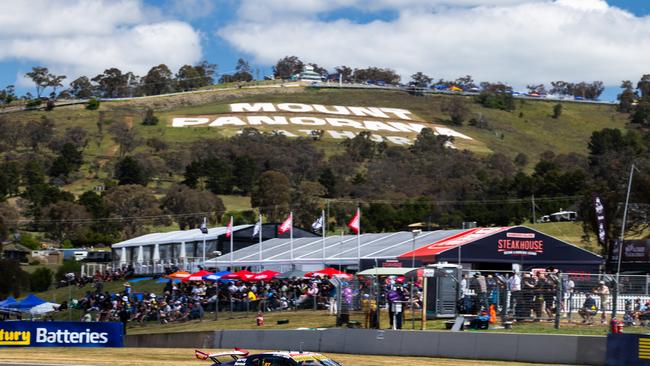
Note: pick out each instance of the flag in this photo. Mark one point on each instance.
(229, 228)
(600, 219)
(286, 225)
(204, 228)
(318, 224)
(256, 228)
(355, 223)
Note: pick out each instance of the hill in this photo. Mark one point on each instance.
(449, 185)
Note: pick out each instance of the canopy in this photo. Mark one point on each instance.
(291, 274)
(27, 303)
(265, 275)
(179, 274)
(388, 271)
(330, 272)
(8, 301)
(44, 308)
(240, 275)
(197, 276)
(215, 276)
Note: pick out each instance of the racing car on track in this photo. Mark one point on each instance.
(240, 357)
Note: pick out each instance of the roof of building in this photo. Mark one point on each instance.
(338, 249)
(177, 236)
(15, 247)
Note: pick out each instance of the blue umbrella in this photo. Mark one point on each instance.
(215, 276)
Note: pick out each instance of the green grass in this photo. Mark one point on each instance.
(236, 203)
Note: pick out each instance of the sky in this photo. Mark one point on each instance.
(518, 42)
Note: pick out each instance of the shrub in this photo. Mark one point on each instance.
(149, 118)
(33, 103)
(40, 280)
(29, 241)
(93, 104)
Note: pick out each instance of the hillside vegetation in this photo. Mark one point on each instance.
(122, 163)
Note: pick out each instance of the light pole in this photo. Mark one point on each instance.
(415, 232)
(620, 241)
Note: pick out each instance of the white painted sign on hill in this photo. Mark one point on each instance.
(396, 125)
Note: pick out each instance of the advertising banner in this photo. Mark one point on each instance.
(60, 334)
(634, 251)
(628, 349)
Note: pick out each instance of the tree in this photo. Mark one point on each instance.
(560, 88)
(213, 174)
(9, 179)
(272, 195)
(361, 146)
(557, 110)
(286, 67)
(81, 88)
(54, 81)
(13, 279)
(65, 220)
(39, 132)
(245, 174)
(40, 280)
(497, 96)
(536, 88)
(374, 73)
(420, 80)
(627, 97)
(328, 180)
(68, 161)
(192, 77)
(149, 118)
(8, 94)
(644, 85)
(191, 205)
(456, 109)
(11, 132)
(159, 80)
(8, 217)
(242, 73)
(129, 171)
(93, 204)
(521, 160)
(136, 204)
(308, 197)
(40, 76)
(125, 136)
(465, 82)
(641, 113)
(345, 73)
(112, 83)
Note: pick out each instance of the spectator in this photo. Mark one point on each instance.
(588, 310)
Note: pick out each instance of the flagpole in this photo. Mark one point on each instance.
(323, 228)
(260, 244)
(232, 254)
(359, 238)
(291, 238)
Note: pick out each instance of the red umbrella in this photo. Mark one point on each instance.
(197, 276)
(266, 275)
(179, 275)
(330, 272)
(240, 275)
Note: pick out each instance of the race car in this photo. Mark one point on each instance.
(240, 357)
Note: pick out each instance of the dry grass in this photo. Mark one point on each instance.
(181, 356)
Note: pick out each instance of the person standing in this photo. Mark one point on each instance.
(603, 292)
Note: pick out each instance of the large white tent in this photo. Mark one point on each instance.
(310, 253)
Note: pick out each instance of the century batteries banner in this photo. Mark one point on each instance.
(60, 334)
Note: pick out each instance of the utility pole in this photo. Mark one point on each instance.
(533, 203)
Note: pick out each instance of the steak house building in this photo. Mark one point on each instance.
(499, 248)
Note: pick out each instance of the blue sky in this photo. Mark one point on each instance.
(515, 41)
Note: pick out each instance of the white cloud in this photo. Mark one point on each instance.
(86, 37)
(516, 41)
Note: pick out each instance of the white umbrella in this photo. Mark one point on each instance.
(156, 253)
(44, 308)
(140, 254)
(123, 256)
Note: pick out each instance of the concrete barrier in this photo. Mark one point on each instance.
(537, 348)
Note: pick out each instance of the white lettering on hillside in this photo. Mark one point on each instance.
(449, 132)
(255, 107)
(378, 112)
(258, 120)
(183, 122)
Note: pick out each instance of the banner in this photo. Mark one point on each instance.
(634, 251)
(600, 219)
(60, 334)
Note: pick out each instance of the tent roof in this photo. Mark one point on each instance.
(516, 244)
(338, 249)
(8, 301)
(27, 303)
(177, 236)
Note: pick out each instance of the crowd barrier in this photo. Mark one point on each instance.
(537, 348)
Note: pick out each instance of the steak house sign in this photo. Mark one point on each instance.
(339, 122)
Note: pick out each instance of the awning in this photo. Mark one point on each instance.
(387, 271)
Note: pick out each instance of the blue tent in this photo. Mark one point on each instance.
(27, 303)
(8, 301)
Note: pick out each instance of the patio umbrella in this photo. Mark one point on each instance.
(265, 275)
(179, 275)
(197, 276)
(240, 275)
(330, 272)
(291, 274)
(215, 276)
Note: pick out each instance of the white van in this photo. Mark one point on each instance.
(80, 255)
